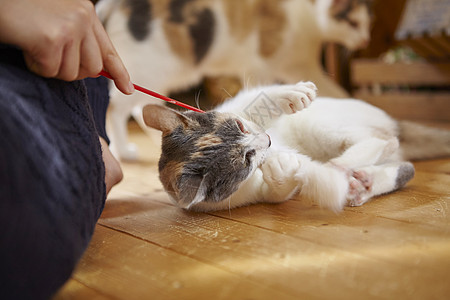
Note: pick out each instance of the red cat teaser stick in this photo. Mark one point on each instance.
(156, 95)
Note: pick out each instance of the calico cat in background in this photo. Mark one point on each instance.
(168, 45)
(273, 144)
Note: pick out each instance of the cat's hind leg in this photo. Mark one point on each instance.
(367, 152)
(370, 181)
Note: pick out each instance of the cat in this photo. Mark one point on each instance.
(276, 143)
(171, 45)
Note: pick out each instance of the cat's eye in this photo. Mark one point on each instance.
(241, 126)
(353, 24)
(249, 155)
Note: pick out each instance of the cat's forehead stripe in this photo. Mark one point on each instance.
(208, 140)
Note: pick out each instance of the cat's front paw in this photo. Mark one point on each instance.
(298, 97)
(279, 174)
(294, 97)
(279, 168)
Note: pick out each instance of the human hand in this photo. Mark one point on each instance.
(61, 39)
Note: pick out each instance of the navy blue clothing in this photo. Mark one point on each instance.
(52, 188)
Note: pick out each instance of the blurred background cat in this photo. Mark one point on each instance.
(172, 45)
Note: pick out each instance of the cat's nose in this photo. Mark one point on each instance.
(270, 142)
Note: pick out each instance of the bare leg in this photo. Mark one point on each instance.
(113, 171)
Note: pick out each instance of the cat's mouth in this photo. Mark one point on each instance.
(270, 141)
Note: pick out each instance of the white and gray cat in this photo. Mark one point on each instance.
(172, 44)
(275, 143)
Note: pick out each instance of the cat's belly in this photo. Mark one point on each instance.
(328, 127)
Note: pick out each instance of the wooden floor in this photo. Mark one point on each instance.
(395, 247)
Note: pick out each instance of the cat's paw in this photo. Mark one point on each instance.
(359, 185)
(279, 176)
(279, 170)
(293, 98)
(298, 97)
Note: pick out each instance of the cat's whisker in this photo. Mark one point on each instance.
(197, 98)
(224, 89)
(247, 83)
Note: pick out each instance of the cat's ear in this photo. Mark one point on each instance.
(192, 190)
(162, 118)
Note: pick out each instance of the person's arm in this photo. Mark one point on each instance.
(61, 39)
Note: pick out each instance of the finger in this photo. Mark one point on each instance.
(111, 60)
(70, 64)
(91, 59)
(46, 64)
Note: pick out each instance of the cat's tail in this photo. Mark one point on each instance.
(325, 185)
(104, 9)
(418, 141)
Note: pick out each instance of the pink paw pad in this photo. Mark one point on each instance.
(360, 183)
(365, 179)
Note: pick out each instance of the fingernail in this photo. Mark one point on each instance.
(130, 87)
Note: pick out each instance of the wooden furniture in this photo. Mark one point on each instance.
(405, 90)
(417, 89)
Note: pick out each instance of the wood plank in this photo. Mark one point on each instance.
(370, 71)
(433, 166)
(413, 106)
(122, 266)
(75, 290)
(411, 206)
(426, 48)
(355, 230)
(281, 258)
(443, 42)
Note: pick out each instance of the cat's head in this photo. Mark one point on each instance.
(205, 156)
(348, 22)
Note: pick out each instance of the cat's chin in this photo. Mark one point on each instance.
(208, 206)
(226, 204)
(202, 206)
